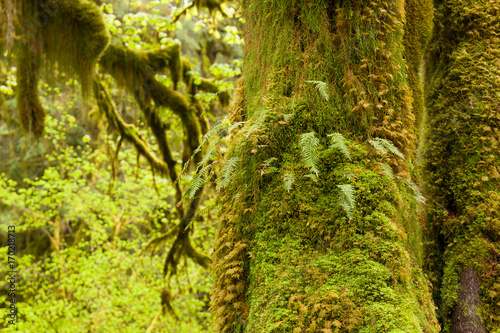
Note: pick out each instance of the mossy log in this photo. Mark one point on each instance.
(289, 256)
(462, 168)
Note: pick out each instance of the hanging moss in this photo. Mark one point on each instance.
(74, 36)
(132, 69)
(212, 6)
(168, 57)
(289, 256)
(9, 11)
(70, 33)
(30, 109)
(461, 164)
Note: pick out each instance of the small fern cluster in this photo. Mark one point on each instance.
(384, 146)
(308, 149)
(205, 167)
(308, 144)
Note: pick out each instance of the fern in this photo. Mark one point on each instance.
(321, 87)
(197, 182)
(387, 170)
(267, 168)
(383, 146)
(233, 126)
(288, 180)
(417, 195)
(338, 141)
(308, 144)
(347, 200)
(211, 97)
(209, 153)
(227, 171)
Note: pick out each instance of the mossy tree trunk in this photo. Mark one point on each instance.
(462, 167)
(315, 236)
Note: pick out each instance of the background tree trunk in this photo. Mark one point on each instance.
(313, 238)
(462, 164)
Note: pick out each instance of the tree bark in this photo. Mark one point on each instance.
(462, 164)
(318, 236)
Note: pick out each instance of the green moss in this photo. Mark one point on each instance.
(71, 34)
(9, 11)
(461, 152)
(293, 260)
(31, 112)
(74, 36)
(418, 30)
(134, 71)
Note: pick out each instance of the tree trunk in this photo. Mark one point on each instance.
(462, 166)
(320, 233)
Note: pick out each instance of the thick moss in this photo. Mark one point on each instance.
(462, 163)
(418, 30)
(74, 36)
(293, 260)
(30, 109)
(71, 34)
(128, 131)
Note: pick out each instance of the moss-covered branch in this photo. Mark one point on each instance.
(30, 109)
(71, 34)
(134, 71)
(127, 131)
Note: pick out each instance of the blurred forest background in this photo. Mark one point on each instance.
(102, 243)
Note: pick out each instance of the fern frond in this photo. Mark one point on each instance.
(267, 168)
(209, 153)
(227, 171)
(213, 95)
(346, 199)
(288, 180)
(321, 87)
(308, 144)
(387, 170)
(383, 146)
(338, 141)
(214, 131)
(233, 126)
(417, 195)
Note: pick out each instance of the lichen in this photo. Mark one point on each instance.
(461, 158)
